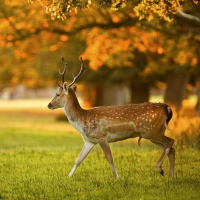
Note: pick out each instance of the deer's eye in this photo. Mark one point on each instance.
(57, 95)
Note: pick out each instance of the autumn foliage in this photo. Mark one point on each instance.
(114, 43)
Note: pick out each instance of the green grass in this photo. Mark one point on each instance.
(37, 152)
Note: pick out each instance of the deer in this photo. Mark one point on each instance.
(106, 124)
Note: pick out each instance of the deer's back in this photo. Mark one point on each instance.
(121, 122)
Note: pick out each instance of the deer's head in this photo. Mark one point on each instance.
(65, 92)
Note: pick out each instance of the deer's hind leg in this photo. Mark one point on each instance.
(171, 156)
(166, 145)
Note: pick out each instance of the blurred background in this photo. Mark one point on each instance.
(128, 60)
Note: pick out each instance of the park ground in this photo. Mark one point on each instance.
(38, 149)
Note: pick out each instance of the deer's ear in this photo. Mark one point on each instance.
(65, 87)
(73, 88)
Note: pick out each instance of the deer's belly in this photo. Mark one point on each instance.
(113, 132)
(114, 137)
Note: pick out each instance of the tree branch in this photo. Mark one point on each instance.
(191, 17)
(110, 25)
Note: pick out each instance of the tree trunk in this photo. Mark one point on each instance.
(110, 95)
(98, 96)
(139, 93)
(175, 91)
(198, 80)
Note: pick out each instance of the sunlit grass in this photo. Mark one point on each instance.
(37, 152)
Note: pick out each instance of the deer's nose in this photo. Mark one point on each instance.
(50, 106)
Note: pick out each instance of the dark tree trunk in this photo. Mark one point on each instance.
(175, 91)
(139, 93)
(110, 95)
(198, 80)
(98, 96)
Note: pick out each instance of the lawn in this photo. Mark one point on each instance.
(37, 152)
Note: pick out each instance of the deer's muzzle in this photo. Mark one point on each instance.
(50, 106)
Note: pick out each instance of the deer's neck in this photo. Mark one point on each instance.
(73, 111)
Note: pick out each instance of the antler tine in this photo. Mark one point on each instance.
(63, 73)
(79, 74)
(58, 84)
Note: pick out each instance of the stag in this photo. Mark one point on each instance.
(105, 124)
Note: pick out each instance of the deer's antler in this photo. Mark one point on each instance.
(62, 73)
(75, 77)
(79, 74)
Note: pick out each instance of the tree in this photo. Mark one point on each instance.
(166, 9)
(177, 77)
(141, 61)
(141, 52)
(28, 42)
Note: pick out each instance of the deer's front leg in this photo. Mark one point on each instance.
(85, 151)
(106, 149)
